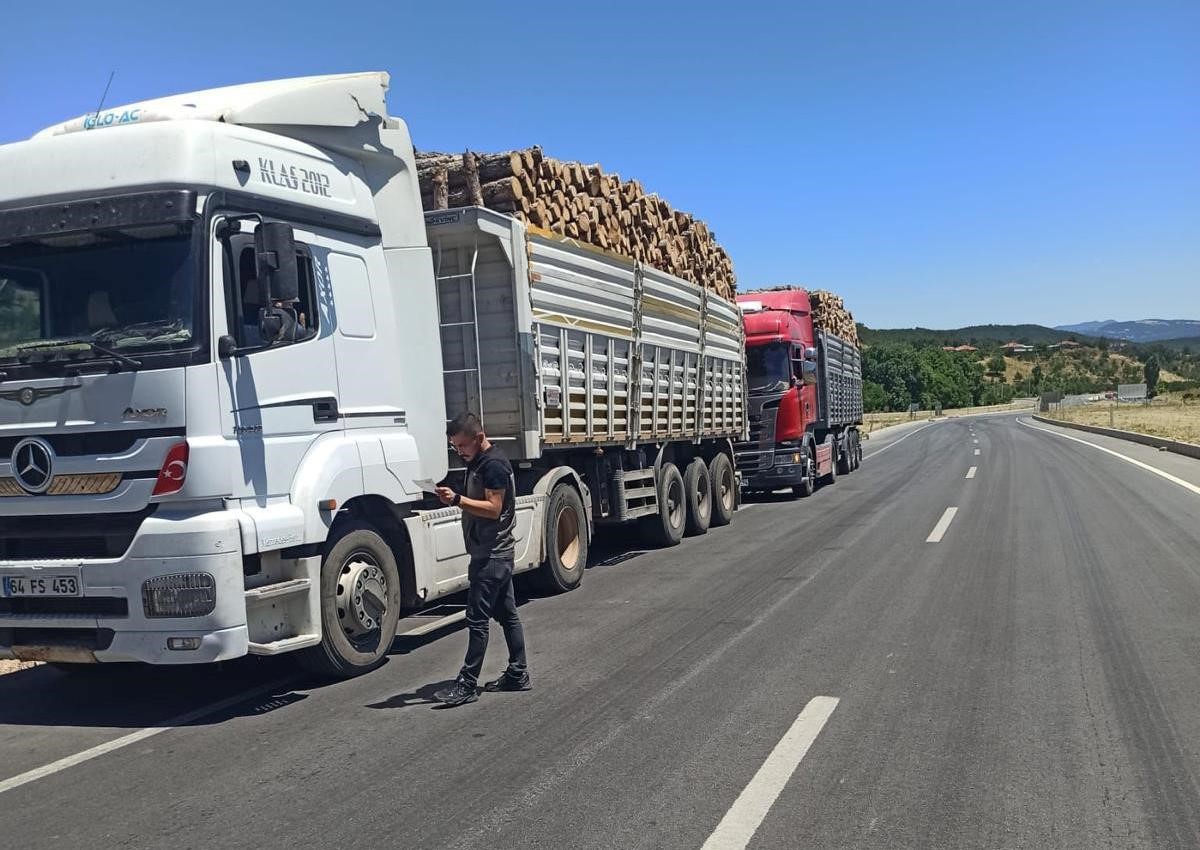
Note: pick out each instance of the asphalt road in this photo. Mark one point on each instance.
(1030, 680)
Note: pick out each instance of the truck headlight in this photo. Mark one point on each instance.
(181, 595)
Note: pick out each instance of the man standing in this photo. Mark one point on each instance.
(489, 509)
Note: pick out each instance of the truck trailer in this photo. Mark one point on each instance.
(230, 341)
(804, 386)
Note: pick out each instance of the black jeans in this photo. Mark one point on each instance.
(491, 597)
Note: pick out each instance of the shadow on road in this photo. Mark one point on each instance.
(421, 696)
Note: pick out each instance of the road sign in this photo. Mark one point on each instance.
(1131, 392)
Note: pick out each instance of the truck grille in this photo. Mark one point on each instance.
(93, 442)
(759, 451)
(25, 538)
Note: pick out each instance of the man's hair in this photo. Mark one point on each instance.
(464, 423)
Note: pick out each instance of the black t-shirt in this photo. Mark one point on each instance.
(490, 470)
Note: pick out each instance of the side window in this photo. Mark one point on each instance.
(20, 307)
(244, 297)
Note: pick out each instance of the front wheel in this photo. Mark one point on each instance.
(808, 484)
(360, 603)
(566, 541)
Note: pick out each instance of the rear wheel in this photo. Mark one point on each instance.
(856, 452)
(698, 488)
(834, 462)
(566, 541)
(845, 461)
(360, 603)
(724, 490)
(666, 527)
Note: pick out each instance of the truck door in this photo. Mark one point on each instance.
(275, 400)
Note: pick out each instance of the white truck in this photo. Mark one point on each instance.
(229, 339)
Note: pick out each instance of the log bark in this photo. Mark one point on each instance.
(471, 169)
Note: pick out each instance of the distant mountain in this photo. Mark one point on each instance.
(1028, 334)
(1141, 330)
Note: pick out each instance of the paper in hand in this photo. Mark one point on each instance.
(426, 484)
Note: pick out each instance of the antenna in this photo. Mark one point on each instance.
(104, 96)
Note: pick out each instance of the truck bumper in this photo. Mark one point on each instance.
(781, 468)
(109, 621)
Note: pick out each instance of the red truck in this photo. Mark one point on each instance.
(804, 405)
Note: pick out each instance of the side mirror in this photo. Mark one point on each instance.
(808, 372)
(810, 353)
(275, 261)
(226, 347)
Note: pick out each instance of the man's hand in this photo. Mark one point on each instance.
(446, 495)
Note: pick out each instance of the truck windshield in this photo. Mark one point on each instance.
(125, 294)
(768, 368)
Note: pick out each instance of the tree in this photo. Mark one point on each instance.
(874, 397)
(996, 365)
(1150, 371)
(1035, 378)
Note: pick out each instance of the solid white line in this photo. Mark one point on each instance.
(939, 530)
(742, 820)
(456, 617)
(971, 471)
(898, 442)
(133, 737)
(1187, 485)
(746, 506)
(977, 451)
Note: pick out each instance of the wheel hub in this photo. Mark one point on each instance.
(362, 596)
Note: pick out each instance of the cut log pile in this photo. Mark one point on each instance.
(581, 202)
(829, 312)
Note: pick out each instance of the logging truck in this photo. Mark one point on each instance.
(231, 341)
(804, 384)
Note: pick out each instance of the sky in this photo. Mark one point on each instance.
(937, 163)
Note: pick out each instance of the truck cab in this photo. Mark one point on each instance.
(804, 396)
(218, 316)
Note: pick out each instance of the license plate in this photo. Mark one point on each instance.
(52, 585)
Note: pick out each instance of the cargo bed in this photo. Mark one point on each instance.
(556, 343)
(839, 385)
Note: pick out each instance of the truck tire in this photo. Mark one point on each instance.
(830, 477)
(724, 490)
(808, 484)
(845, 463)
(566, 536)
(697, 485)
(856, 452)
(665, 528)
(360, 603)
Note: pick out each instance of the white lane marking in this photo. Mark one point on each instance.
(746, 506)
(976, 442)
(939, 530)
(456, 617)
(747, 813)
(898, 442)
(977, 452)
(1187, 485)
(140, 735)
(971, 471)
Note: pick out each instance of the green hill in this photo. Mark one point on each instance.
(972, 335)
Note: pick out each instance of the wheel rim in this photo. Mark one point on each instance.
(726, 488)
(703, 493)
(362, 594)
(567, 537)
(675, 507)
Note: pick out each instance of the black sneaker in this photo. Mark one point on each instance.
(508, 682)
(460, 693)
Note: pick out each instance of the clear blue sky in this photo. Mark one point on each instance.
(938, 163)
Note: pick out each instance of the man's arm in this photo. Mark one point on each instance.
(488, 507)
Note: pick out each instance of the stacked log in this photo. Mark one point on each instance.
(581, 202)
(829, 312)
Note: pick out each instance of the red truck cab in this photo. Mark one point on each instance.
(804, 390)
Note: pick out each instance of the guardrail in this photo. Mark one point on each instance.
(1176, 446)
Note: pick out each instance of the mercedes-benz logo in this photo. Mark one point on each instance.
(33, 465)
